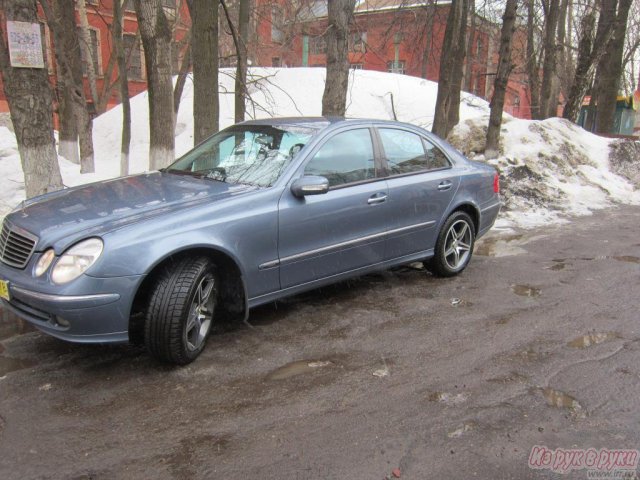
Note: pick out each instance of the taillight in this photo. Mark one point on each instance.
(496, 183)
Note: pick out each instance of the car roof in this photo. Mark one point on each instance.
(319, 122)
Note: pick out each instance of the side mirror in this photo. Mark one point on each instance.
(309, 185)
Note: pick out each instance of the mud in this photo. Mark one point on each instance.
(358, 379)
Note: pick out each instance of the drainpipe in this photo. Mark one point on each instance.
(305, 51)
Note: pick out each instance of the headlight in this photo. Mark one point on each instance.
(44, 262)
(75, 261)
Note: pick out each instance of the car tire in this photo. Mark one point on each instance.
(181, 310)
(454, 246)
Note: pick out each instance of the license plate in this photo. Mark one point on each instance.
(4, 290)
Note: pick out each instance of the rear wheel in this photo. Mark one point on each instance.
(181, 310)
(453, 247)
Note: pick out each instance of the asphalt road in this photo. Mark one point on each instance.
(537, 343)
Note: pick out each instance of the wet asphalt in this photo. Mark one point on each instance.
(536, 343)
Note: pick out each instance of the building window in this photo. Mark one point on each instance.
(356, 66)
(395, 66)
(317, 45)
(93, 48)
(133, 57)
(277, 35)
(227, 61)
(358, 42)
(131, 6)
(479, 47)
(276, 62)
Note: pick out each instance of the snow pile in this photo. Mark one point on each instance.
(550, 169)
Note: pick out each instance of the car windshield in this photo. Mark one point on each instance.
(246, 154)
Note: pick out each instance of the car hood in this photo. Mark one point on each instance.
(66, 215)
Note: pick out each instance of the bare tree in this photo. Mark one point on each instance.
(609, 70)
(549, 65)
(86, 46)
(183, 73)
(123, 81)
(533, 60)
(468, 71)
(502, 78)
(241, 64)
(334, 98)
(206, 109)
(447, 111)
(62, 24)
(30, 102)
(589, 54)
(156, 40)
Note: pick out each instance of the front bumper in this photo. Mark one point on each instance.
(74, 314)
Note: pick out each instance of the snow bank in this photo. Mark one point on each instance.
(550, 169)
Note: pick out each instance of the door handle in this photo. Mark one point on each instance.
(444, 185)
(377, 198)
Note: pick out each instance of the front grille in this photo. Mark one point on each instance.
(16, 245)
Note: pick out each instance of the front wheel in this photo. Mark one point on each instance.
(453, 247)
(181, 310)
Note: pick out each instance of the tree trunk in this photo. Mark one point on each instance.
(610, 71)
(206, 107)
(549, 64)
(155, 32)
(63, 24)
(86, 45)
(447, 110)
(429, 40)
(241, 64)
(123, 82)
(585, 66)
(557, 83)
(334, 98)
(68, 133)
(67, 129)
(502, 78)
(533, 67)
(29, 95)
(468, 71)
(185, 68)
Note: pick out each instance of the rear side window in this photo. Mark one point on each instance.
(407, 152)
(435, 157)
(346, 157)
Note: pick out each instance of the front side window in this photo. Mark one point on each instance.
(251, 155)
(407, 152)
(346, 157)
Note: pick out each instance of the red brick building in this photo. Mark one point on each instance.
(397, 36)
(100, 17)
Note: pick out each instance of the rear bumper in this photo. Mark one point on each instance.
(488, 216)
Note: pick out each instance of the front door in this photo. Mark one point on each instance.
(343, 229)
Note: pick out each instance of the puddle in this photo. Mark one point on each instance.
(448, 398)
(557, 267)
(511, 377)
(8, 365)
(503, 246)
(593, 339)
(462, 429)
(558, 399)
(525, 290)
(297, 368)
(627, 258)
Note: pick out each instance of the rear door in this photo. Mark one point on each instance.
(342, 230)
(422, 183)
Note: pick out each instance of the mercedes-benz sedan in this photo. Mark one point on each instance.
(259, 211)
